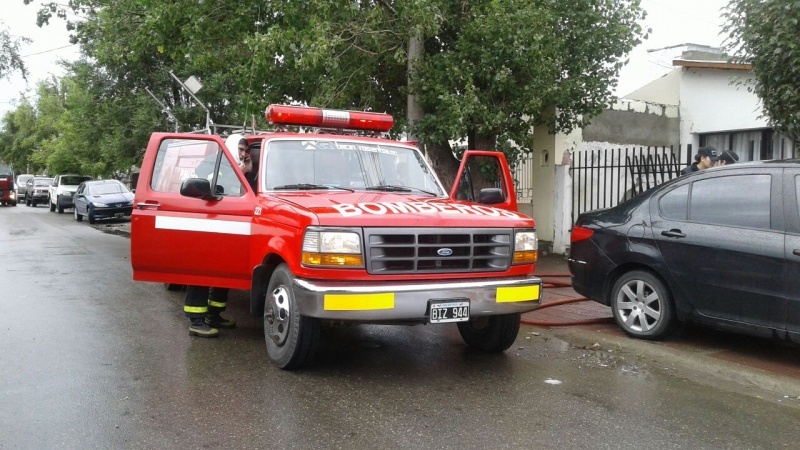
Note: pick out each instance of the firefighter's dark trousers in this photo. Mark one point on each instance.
(201, 301)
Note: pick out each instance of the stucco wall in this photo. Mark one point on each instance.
(662, 91)
(709, 102)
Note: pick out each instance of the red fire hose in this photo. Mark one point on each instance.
(558, 284)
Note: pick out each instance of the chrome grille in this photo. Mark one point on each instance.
(433, 250)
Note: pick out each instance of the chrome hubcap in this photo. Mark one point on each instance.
(276, 318)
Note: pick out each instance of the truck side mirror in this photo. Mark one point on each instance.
(197, 188)
(491, 196)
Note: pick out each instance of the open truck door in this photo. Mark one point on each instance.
(485, 177)
(192, 216)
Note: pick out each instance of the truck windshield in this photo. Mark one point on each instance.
(74, 180)
(349, 165)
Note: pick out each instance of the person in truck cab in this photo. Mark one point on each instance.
(249, 162)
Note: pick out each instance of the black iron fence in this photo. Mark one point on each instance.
(606, 177)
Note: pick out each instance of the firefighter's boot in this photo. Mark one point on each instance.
(198, 327)
(217, 321)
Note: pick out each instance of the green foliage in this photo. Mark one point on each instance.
(10, 59)
(765, 33)
(490, 69)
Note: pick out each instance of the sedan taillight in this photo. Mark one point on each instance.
(580, 233)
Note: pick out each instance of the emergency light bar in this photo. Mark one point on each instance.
(328, 118)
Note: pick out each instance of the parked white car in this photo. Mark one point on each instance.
(20, 185)
(62, 189)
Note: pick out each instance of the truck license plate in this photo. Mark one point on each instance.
(443, 311)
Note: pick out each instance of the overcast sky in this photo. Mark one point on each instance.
(672, 22)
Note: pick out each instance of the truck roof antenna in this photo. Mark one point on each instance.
(165, 109)
(189, 91)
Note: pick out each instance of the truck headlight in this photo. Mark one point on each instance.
(332, 248)
(526, 247)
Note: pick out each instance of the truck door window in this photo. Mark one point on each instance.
(181, 159)
(481, 172)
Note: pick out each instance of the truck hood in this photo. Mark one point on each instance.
(378, 209)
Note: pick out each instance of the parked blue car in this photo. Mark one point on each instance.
(102, 199)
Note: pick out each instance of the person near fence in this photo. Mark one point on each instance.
(705, 158)
(727, 157)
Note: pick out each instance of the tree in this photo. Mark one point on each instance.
(18, 137)
(764, 33)
(10, 59)
(488, 69)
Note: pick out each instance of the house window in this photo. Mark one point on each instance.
(752, 145)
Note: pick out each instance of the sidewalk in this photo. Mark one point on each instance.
(583, 312)
(744, 363)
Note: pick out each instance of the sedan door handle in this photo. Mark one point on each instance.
(147, 205)
(673, 233)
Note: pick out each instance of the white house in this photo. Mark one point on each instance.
(701, 101)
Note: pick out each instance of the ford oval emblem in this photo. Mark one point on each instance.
(444, 252)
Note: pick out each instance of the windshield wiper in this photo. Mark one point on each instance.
(398, 188)
(309, 187)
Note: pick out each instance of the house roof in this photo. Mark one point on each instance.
(712, 64)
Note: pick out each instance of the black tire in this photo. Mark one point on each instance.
(28, 201)
(58, 206)
(52, 205)
(492, 334)
(642, 306)
(78, 217)
(90, 216)
(291, 338)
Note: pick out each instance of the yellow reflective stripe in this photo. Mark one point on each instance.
(517, 294)
(356, 302)
(195, 309)
(216, 304)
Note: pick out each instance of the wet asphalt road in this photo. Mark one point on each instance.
(90, 359)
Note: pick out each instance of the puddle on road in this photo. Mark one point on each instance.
(586, 357)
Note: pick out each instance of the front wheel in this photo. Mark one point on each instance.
(78, 217)
(52, 205)
(642, 306)
(490, 333)
(91, 217)
(291, 338)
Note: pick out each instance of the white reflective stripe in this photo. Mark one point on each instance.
(204, 225)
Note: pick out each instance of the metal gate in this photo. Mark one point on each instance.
(606, 177)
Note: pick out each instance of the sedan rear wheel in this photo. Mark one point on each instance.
(642, 306)
(78, 217)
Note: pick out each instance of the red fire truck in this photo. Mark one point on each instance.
(8, 192)
(343, 225)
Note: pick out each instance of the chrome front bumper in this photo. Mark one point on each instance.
(390, 301)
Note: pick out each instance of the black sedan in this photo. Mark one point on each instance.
(102, 199)
(719, 247)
